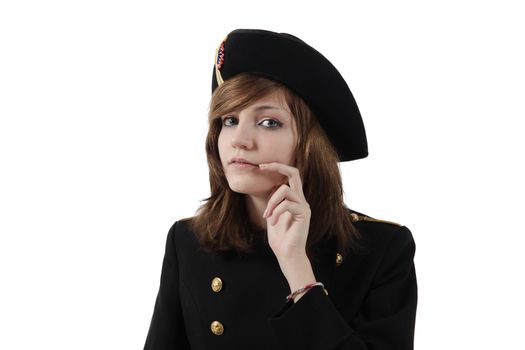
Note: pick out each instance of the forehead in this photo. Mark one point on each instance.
(274, 100)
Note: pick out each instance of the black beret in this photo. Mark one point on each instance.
(290, 61)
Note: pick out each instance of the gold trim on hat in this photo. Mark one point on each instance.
(218, 75)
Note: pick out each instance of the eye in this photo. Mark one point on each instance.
(270, 123)
(229, 121)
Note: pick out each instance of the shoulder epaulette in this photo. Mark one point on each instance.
(356, 218)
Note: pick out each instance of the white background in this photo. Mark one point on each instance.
(103, 118)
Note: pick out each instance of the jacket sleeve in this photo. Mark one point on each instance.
(166, 329)
(386, 318)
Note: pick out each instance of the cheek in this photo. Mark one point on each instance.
(283, 149)
(221, 145)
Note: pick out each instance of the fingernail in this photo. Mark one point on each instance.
(265, 212)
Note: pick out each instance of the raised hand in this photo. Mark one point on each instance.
(288, 220)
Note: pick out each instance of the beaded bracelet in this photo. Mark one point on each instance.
(305, 289)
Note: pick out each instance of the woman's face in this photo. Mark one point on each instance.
(263, 132)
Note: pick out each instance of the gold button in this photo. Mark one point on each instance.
(338, 259)
(217, 328)
(216, 284)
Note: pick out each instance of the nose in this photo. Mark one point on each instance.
(242, 136)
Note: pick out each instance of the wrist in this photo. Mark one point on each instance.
(298, 272)
(297, 294)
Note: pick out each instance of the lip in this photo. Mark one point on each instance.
(241, 162)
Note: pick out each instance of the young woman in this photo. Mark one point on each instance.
(274, 259)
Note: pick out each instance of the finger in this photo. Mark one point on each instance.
(294, 178)
(297, 210)
(282, 193)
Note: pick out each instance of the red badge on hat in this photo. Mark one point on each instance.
(220, 56)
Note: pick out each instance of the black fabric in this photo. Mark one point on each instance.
(371, 301)
(295, 64)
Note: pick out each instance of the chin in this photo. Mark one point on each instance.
(252, 187)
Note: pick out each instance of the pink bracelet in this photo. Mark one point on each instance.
(305, 289)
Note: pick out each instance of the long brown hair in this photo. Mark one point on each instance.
(222, 222)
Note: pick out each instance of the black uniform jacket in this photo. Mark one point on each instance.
(238, 301)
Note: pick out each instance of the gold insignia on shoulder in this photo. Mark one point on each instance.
(356, 217)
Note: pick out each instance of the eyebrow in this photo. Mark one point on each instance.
(263, 107)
